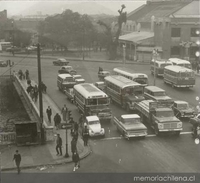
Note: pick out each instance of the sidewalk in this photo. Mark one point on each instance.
(40, 155)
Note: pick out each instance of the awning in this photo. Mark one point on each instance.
(136, 37)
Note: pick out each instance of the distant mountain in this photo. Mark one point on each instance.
(53, 7)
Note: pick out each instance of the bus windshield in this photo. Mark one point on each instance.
(98, 101)
(182, 106)
(133, 91)
(141, 80)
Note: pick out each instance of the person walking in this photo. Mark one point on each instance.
(27, 74)
(71, 121)
(64, 113)
(57, 120)
(49, 113)
(17, 158)
(59, 145)
(36, 93)
(73, 146)
(76, 160)
(81, 120)
(85, 136)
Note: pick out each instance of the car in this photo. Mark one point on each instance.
(13, 48)
(3, 63)
(67, 70)
(60, 62)
(100, 85)
(31, 48)
(103, 74)
(78, 79)
(94, 126)
(182, 109)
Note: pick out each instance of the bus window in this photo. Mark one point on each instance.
(102, 101)
(92, 101)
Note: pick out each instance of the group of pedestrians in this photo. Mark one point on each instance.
(23, 75)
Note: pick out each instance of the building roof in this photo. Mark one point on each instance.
(189, 11)
(158, 8)
(136, 37)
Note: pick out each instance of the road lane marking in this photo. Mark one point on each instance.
(152, 135)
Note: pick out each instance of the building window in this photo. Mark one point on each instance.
(195, 32)
(175, 50)
(175, 32)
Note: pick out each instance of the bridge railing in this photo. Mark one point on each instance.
(7, 138)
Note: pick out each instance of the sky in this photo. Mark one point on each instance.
(16, 7)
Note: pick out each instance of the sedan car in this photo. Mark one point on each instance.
(78, 79)
(60, 62)
(3, 63)
(94, 126)
(182, 109)
(67, 70)
(31, 48)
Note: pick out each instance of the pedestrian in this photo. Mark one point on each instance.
(17, 158)
(32, 94)
(81, 120)
(85, 136)
(64, 113)
(49, 113)
(75, 135)
(29, 89)
(76, 160)
(44, 88)
(59, 145)
(20, 73)
(57, 120)
(75, 126)
(198, 67)
(71, 121)
(73, 146)
(35, 93)
(27, 74)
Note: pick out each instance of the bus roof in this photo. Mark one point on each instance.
(63, 76)
(154, 88)
(121, 81)
(88, 90)
(176, 68)
(129, 72)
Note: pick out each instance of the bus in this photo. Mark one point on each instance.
(65, 81)
(130, 74)
(178, 76)
(92, 101)
(181, 62)
(5, 45)
(124, 91)
(159, 65)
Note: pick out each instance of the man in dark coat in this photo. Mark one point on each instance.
(49, 113)
(57, 120)
(59, 145)
(76, 160)
(85, 135)
(17, 159)
(73, 146)
(27, 74)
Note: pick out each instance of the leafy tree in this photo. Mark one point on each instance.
(113, 40)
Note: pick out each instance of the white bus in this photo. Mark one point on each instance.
(181, 62)
(130, 74)
(124, 91)
(179, 76)
(92, 101)
(65, 81)
(158, 65)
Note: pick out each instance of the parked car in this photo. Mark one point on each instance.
(100, 85)
(182, 109)
(78, 79)
(13, 48)
(67, 70)
(60, 62)
(94, 126)
(31, 48)
(3, 63)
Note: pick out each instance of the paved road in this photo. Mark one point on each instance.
(113, 154)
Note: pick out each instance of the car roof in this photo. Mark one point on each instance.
(180, 102)
(92, 118)
(77, 75)
(154, 88)
(128, 116)
(62, 59)
(63, 76)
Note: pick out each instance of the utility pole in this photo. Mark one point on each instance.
(40, 94)
(124, 54)
(155, 54)
(13, 51)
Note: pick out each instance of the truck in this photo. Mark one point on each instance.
(130, 125)
(159, 115)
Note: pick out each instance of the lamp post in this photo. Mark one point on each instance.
(124, 54)
(155, 54)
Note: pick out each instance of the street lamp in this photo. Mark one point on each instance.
(124, 54)
(155, 54)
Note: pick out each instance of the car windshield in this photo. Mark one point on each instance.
(93, 122)
(130, 121)
(182, 106)
(157, 94)
(164, 113)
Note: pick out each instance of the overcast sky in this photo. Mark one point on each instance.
(16, 7)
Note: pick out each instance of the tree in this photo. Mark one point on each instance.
(113, 40)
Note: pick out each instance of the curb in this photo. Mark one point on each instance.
(79, 59)
(64, 161)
